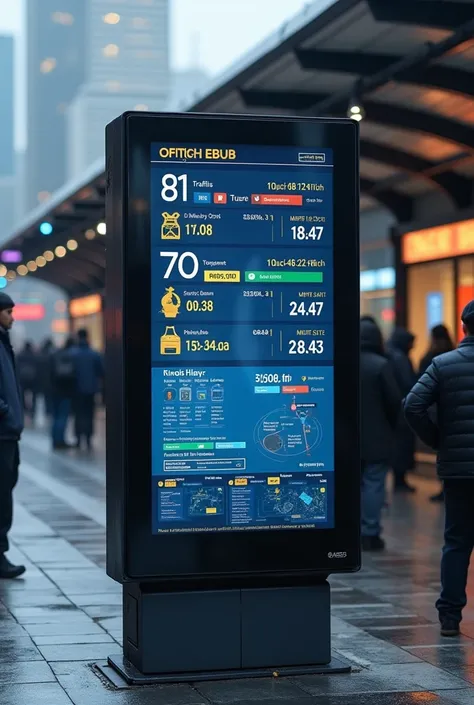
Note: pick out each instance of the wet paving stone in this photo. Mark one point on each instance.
(76, 652)
(420, 635)
(33, 694)
(85, 688)
(447, 657)
(25, 672)
(388, 621)
(237, 691)
(18, 649)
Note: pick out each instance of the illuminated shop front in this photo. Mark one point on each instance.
(86, 312)
(377, 295)
(437, 268)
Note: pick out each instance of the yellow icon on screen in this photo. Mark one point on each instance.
(160, 484)
(170, 342)
(322, 490)
(211, 510)
(273, 480)
(170, 228)
(170, 303)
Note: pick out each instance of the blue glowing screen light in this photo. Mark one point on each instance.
(3, 282)
(46, 228)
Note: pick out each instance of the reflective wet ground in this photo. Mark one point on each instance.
(65, 616)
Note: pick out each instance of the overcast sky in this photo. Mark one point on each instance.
(218, 31)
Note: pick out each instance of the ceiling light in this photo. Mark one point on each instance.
(48, 255)
(112, 18)
(3, 270)
(41, 261)
(355, 110)
(46, 228)
(101, 228)
(22, 270)
(90, 234)
(60, 251)
(32, 266)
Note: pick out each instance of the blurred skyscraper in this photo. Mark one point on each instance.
(7, 160)
(126, 68)
(55, 70)
(88, 61)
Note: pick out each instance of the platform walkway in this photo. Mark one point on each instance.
(65, 615)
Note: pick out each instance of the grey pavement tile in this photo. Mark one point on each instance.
(447, 657)
(85, 688)
(352, 683)
(61, 628)
(456, 697)
(389, 621)
(25, 672)
(235, 691)
(35, 599)
(466, 672)
(419, 635)
(76, 652)
(419, 675)
(387, 698)
(89, 599)
(73, 638)
(101, 611)
(368, 650)
(113, 623)
(34, 693)
(10, 629)
(18, 649)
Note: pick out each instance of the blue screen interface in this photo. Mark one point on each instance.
(242, 338)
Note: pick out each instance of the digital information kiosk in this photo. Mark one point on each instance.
(232, 389)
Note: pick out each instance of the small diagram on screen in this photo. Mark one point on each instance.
(205, 501)
(288, 431)
(299, 504)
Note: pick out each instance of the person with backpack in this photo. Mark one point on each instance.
(64, 385)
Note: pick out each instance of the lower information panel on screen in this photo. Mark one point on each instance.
(242, 448)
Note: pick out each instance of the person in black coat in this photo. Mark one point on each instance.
(440, 342)
(380, 408)
(449, 383)
(11, 427)
(403, 460)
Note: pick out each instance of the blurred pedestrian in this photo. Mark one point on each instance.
(90, 372)
(64, 386)
(440, 342)
(380, 408)
(11, 427)
(403, 460)
(45, 387)
(449, 383)
(27, 366)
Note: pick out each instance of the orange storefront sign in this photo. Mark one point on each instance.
(86, 306)
(438, 243)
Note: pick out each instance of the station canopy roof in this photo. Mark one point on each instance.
(409, 66)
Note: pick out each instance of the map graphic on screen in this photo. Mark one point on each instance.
(242, 338)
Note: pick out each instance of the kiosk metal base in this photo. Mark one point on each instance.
(132, 676)
(215, 634)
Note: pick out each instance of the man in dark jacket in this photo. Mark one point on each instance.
(449, 383)
(380, 408)
(11, 427)
(403, 460)
(90, 373)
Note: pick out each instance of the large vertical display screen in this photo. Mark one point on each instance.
(242, 338)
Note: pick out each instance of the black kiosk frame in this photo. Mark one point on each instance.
(231, 603)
